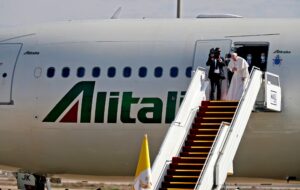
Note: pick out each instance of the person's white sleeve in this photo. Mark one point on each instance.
(230, 65)
(245, 66)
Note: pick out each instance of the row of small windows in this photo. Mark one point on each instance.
(111, 72)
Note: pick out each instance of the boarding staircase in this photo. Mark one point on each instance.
(199, 148)
(185, 169)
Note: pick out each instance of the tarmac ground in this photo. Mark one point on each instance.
(8, 182)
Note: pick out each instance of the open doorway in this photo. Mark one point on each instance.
(255, 53)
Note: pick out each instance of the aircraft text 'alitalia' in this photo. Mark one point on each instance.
(149, 109)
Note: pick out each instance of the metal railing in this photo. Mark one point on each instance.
(238, 125)
(182, 140)
(212, 156)
(179, 129)
(209, 176)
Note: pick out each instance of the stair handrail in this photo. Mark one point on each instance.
(167, 162)
(254, 68)
(189, 123)
(212, 155)
(207, 178)
(179, 128)
(236, 131)
(189, 98)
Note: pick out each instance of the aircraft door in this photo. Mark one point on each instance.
(9, 53)
(201, 54)
(272, 92)
(202, 50)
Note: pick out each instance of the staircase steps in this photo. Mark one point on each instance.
(181, 184)
(211, 119)
(198, 142)
(184, 171)
(181, 178)
(219, 103)
(201, 137)
(186, 166)
(216, 114)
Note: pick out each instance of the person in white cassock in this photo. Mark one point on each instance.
(239, 67)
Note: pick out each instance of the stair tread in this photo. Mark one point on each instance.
(192, 158)
(221, 106)
(176, 188)
(201, 129)
(179, 185)
(195, 152)
(188, 164)
(193, 155)
(185, 170)
(206, 135)
(198, 141)
(180, 182)
(216, 117)
(221, 101)
(219, 112)
(208, 123)
(182, 176)
(197, 146)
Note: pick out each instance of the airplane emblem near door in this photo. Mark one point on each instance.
(277, 60)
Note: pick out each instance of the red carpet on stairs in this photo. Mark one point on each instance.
(184, 171)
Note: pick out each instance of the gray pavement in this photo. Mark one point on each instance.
(8, 182)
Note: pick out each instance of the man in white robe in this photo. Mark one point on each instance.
(239, 67)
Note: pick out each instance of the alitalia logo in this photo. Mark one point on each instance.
(112, 107)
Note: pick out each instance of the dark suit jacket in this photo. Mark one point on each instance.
(220, 65)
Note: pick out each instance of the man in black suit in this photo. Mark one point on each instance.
(216, 72)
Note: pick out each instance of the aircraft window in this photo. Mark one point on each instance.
(188, 72)
(96, 72)
(65, 72)
(80, 72)
(50, 72)
(127, 72)
(111, 72)
(158, 71)
(174, 72)
(143, 72)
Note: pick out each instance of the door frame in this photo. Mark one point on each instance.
(20, 45)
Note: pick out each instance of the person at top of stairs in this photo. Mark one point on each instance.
(239, 67)
(216, 72)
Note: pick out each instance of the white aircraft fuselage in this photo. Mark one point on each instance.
(77, 97)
